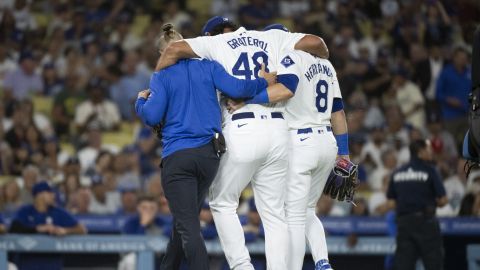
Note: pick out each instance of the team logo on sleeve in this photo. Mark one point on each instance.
(287, 61)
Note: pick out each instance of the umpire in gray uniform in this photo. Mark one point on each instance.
(415, 190)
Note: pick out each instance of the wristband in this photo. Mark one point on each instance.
(260, 98)
(342, 143)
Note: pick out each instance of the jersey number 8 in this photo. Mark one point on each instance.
(322, 95)
(242, 66)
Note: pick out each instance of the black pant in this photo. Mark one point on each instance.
(418, 237)
(186, 178)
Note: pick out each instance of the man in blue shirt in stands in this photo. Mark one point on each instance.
(45, 218)
(183, 99)
(453, 87)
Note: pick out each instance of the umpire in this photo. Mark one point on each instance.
(415, 191)
(183, 99)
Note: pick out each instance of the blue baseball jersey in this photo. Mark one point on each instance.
(183, 97)
(28, 216)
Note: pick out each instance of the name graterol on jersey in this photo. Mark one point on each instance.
(247, 41)
(316, 69)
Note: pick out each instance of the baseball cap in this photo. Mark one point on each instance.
(276, 26)
(212, 23)
(41, 187)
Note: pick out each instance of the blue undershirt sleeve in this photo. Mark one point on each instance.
(233, 87)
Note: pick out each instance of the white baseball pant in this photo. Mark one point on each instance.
(312, 156)
(257, 152)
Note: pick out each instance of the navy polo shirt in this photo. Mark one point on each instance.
(415, 187)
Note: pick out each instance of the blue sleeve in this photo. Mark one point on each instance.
(233, 87)
(337, 105)
(65, 219)
(437, 184)
(290, 81)
(152, 110)
(22, 217)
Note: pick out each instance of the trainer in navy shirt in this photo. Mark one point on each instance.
(416, 190)
(183, 97)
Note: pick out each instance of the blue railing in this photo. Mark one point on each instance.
(333, 225)
(146, 246)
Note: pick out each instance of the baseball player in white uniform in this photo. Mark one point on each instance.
(256, 136)
(315, 110)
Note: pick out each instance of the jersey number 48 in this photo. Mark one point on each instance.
(242, 66)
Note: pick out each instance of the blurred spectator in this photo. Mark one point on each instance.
(435, 60)
(67, 189)
(12, 197)
(65, 104)
(372, 151)
(361, 208)
(30, 176)
(226, 8)
(292, 8)
(88, 154)
(377, 203)
(24, 20)
(80, 201)
(388, 164)
(146, 222)
(44, 218)
(378, 78)
(208, 229)
(470, 205)
(52, 84)
(7, 65)
(146, 147)
(437, 24)
(409, 98)
(256, 14)
(128, 198)
(122, 36)
(455, 186)
(102, 201)
(154, 189)
(124, 92)
(453, 86)
(174, 15)
(97, 111)
(443, 143)
(23, 82)
(37, 119)
(54, 156)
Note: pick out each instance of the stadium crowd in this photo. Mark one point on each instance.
(70, 72)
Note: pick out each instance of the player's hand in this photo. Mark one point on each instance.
(144, 94)
(234, 105)
(270, 77)
(343, 156)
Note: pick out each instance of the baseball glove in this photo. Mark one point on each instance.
(342, 181)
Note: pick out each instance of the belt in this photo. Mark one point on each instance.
(310, 130)
(247, 115)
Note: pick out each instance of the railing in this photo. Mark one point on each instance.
(146, 246)
(333, 225)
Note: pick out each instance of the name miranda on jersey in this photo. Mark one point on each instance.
(317, 69)
(247, 41)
